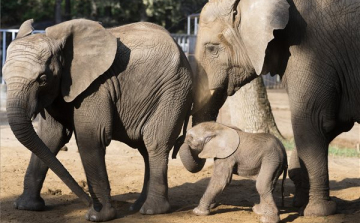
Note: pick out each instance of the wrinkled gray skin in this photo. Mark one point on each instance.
(131, 84)
(241, 153)
(314, 46)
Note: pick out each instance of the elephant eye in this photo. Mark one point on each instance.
(212, 48)
(42, 79)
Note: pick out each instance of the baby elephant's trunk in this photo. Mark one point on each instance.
(282, 185)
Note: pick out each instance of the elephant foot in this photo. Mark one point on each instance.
(257, 209)
(105, 214)
(201, 212)
(155, 206)
(270, 218)
(268, 215)
(319, 208)
(29, 203)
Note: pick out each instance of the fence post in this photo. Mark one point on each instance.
(191, 52)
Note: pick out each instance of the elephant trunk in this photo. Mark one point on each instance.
(210, 110)
(20, 124)
(190, 159)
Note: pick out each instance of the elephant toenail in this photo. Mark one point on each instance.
(93, 218)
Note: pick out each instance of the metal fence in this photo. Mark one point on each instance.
(186, 42)
(8, 35)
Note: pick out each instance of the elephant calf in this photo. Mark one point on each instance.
(238, 152)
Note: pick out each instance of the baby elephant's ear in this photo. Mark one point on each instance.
(221, 145)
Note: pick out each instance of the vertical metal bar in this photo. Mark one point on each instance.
(182, 43)
(3, 47)
(13, 35)
(195, 25)
(3, 52)
(188, 25)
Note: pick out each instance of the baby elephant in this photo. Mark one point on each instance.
(238, 152)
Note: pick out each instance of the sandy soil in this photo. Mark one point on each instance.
(125, 168)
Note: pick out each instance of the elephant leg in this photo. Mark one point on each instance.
(265, 184)
(312, 149)
(140, 201)
(92, 153)
(222, 174)
(296, 174)
(157, 200)
(159, 136)
(54, 135)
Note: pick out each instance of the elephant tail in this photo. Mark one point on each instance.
(180, 140)
(282, 185)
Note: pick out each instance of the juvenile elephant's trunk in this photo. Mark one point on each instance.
(21, 125)
(190, 159)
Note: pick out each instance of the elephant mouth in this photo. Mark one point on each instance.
(232, 91)
(36, 111)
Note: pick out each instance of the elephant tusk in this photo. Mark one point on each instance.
(212, 92)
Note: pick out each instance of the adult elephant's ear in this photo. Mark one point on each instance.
(259, 18)
(88, 50)
(221, 145)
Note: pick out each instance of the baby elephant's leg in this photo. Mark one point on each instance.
(265, 183)
(220, 178)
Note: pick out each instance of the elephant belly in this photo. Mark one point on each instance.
(245, 171)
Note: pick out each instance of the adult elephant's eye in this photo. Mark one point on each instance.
(42, 79)
(212, 48)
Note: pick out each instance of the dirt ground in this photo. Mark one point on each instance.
(125, 168)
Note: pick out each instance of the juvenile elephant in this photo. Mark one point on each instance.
(237, 152)
(314, 46)
(131, 83)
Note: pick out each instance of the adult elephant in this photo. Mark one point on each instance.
(314, 46)
(131, 83)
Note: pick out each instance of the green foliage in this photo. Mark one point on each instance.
(334, 150)
(343, 151)
(15, 12)
(171, 14)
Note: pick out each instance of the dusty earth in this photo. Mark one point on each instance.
(125, 168)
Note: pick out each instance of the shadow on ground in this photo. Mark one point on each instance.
(239, 196)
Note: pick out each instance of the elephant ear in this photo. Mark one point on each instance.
(222, 145)
(259, 18)
(25, 29)
(88, 50)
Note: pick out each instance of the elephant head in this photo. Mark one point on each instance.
(62, 62)
(232, 45)
(207, 140)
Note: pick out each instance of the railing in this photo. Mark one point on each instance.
(183, 41)
(8, 35)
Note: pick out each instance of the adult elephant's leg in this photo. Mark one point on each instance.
(312, 148)
(54, 135)
(157, 200)
(140, 201)
(93, 131)
(92, 152)
(159, 137)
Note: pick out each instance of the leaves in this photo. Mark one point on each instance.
(172, 14)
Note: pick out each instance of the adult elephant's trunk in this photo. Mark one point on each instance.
(190, 159)
(21, 125)
(207, 112)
